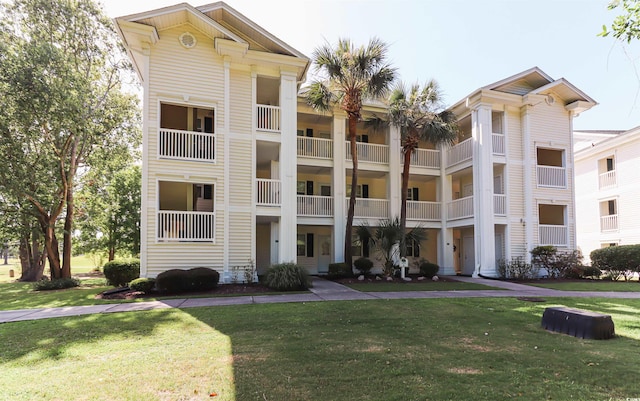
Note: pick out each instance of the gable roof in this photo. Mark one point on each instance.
(216, 20)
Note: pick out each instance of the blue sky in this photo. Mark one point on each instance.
(465, 44)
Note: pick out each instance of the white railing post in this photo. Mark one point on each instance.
(268, 192)
(552, 176)
(268, 118)
(186, 226)
(186, 145)
(607, 180)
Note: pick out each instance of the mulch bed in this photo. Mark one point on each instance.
(372, 279)
(221, 290)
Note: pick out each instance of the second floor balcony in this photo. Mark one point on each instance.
(268, 118)
(369, 152)
(316, 148)
(186, 145)
(552, 177)
(609, 223)
(420, 210)
(556, 235)
(607, 180)
(369, 208)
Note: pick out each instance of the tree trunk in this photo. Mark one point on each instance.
(68, 221)
(348, 258)
(112, 253)
(403, 204)
(31, 259)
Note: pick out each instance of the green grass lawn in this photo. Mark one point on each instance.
(435, 349)
(79, 264)
(418, 286)
(592, 285)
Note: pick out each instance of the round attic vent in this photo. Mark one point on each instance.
(188, 40)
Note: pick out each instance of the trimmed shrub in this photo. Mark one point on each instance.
(429, 269)
(173, 280)
(574, 272)
(56, 284)
(287, 277)
(142, 284)
(363, 265)
(202, 279)
(339, 270)
(120, 272)
(566, 264)
(619, 261)
(196, 279)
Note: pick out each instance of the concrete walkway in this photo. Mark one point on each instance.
(323, 290)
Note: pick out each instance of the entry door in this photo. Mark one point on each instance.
(468, 255)
(324, 258)
(499, 243)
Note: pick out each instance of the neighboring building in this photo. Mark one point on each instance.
(608, 189)
(236, 166)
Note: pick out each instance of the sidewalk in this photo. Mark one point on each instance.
(323, 290)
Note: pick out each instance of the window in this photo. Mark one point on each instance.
(362, 191)
(304, 245)
(413, 249)
(610, 166)
(413, 194)
(304, 187)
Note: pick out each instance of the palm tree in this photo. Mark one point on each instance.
(420, 115)
(349, 74)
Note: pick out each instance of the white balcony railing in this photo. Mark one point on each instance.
(419, 210)
(553, 235)
(268, 192)
(370, 152)
(499, 204)
(552, 177)
(425, 158)
(314, 205)
(268, 118)
(318, 148)
(607, 180)
(497, 142)
(460, 208)
(186, 226)
(186, 145)
(368, 207)
(609, 223)
(460, 152)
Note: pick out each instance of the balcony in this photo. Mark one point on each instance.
(609, 223)
(317, 148)
(369, 207)
(552, 177)
(553, 235)
(460, 152)
(607, 180)
(183, 226)
(268, 192)
(426, 211)
(370, 152)
(315, 206)
(497, 143)
(460, 208)
(268, 118)
(500, 205)
(186, 145)
(425, 158)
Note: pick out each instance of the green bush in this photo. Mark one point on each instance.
(196, 279)
(120, 272)
(56, 284)
(574, 272)
(363, 265)
(145, 285)
(591, 271)
(172, 281)
(339, 270)
(287, 277)
(566, 264)
(619, 261)
(428, 269)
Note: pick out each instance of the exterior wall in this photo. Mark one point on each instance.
(186, 77)
(514, 185)
(625, 150)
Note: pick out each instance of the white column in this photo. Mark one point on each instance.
(145, 201)
(445, 251)
(571, 213)
(528, 182)
(394, 186)
(288, 166)
(484, 226)
(254, 155)
(339, 186)
(227, 166)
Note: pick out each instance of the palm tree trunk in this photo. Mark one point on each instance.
(348, 257)
(403, 205)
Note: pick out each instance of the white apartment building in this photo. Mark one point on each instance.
(236, 166)
(608, 189)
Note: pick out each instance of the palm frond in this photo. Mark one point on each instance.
(319, 96)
